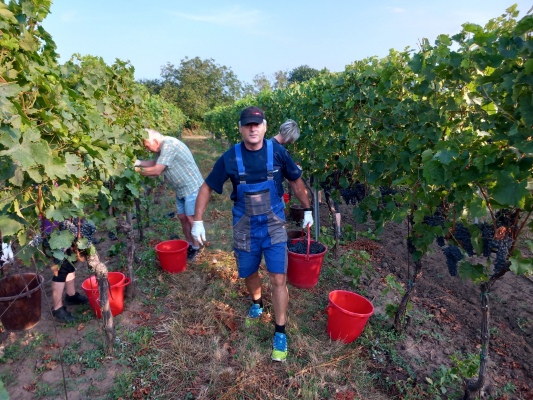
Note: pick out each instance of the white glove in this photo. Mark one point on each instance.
(137, 163)
(198, 231)
(308, 219)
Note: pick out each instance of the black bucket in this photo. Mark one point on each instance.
(20, 301)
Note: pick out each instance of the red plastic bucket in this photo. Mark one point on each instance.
(117, 281)
(348, 314)
(303, 270)
(172, 255)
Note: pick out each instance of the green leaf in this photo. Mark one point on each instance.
(7, 14)
(40, 152)
(4, 395)
(9, 226)
(9, 90)
(61, 239)
(521, 266)
(524, 25)
(509, 192)
(476, 273)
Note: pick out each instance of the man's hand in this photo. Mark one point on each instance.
(308, 219)
(198, 231)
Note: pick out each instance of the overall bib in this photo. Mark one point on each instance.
(259, 221)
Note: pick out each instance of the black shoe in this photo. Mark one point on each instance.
(62, 315)
(111, 235)
(75, 299)
(175, 236)
(171, 214)
(192, 253)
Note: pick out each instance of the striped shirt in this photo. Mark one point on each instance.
(181, 173)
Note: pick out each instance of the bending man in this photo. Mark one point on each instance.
(176, 162)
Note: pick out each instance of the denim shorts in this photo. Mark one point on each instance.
(276, 259)
(186, 204)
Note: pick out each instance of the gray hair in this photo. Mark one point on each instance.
(289, 131)
(153, 134)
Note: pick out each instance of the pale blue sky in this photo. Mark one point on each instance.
(257, 37)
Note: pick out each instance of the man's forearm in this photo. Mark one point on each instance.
(299, 189)
(153, 170)
(201, 201)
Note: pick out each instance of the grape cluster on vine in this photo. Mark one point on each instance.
(453, 256)
(464, 238)
(354, 194)
(502, 252)
(87, 229)
(487, 235)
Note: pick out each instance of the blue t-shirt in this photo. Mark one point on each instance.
(255, 168)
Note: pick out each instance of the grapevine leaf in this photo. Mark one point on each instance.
(524, 25)
(508, 191)
(54, 214)
(9, 226)
(40, 152)
(9, 90)
(7, 14)
(476, 273)
(520, 265)
(18, 177)
(83, 243)
(55, 169)
(61, 239)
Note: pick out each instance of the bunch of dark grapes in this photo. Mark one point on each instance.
(37, 240)
(386, 191)
(437, 219)
(300, 247)
(87, 231)
(502, 252)
(68, 225)
(355, 193)
(487, 234)
(463, 236)
(453, 256)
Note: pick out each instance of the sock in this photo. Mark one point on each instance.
(280, 329)
(195, 247)
(259, 301)
(190, 244)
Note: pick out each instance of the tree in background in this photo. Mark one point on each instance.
(281, 79)
(198, 86)
(261, 83)
(153, 86)
(302, 73)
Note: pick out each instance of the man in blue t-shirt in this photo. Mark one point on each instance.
(256, 168)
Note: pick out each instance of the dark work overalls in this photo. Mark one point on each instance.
(259, 221)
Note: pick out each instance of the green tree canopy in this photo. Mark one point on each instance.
(197, 86)
(302, 73)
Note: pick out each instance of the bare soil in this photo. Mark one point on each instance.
(445, 319)
(446, 315)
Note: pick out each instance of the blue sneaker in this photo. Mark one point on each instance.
(279, 350)
(255, 311)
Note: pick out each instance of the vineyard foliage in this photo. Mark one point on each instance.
(448, 126)
(68, 133)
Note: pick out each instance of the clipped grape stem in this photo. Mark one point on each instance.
(139, 218)
(402, 307)
(127, 229)
(100, 270)
(473, 386)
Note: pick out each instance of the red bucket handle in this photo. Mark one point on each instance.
(126, 282)
(308, 242)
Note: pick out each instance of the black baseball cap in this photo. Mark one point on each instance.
(251, 115)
